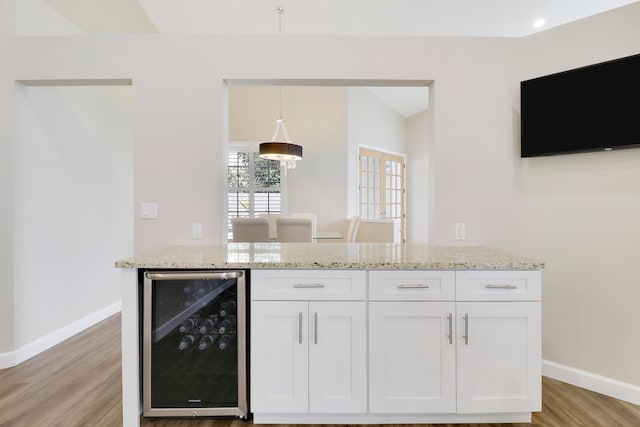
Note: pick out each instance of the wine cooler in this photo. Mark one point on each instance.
(194, 344)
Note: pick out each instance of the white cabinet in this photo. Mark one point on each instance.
(498, 341)
(279, 356)
(412, 357)
(337, 357)
(308, 355)
(486, 359)
(411, 342)
(354, 347)
(498, 357)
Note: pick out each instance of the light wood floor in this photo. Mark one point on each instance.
(77, 384)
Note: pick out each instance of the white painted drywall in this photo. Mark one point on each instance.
(418, 178)
(372, 124)
(580, 212)
(73, 204)
(7, 127)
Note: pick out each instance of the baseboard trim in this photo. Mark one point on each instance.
(603, 385)
(7, 359)
(26, 352)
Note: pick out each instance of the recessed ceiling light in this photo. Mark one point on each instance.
(538, 23)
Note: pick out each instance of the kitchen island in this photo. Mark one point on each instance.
(373, 333)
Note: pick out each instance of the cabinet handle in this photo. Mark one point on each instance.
(466, 329)
(315, 328)
(194, 275)
(501, 287)
(299, 328)
(420, 286)
(450, 336)
(308, 286)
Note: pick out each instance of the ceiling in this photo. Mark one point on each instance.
(493, 18)
(475, 18)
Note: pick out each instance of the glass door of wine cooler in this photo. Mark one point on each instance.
(194, 344)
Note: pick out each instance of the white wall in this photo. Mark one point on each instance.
(73, 205)
(477, 174)
(580, 214)
(372, 124)
(7, 121)
(418, 178)
(315, 118)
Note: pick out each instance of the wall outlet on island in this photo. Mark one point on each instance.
(196, 230)
(461, 230)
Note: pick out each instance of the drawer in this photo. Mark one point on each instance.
(498, 285)
(411, 285)
(340, 285)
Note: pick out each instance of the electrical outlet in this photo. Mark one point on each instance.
(461, 231)
(196, 230)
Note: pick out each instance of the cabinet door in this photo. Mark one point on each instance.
(412, 357)
(499, 357)
(337, 357)
(279, 356)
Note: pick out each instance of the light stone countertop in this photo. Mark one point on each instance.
(305, 256)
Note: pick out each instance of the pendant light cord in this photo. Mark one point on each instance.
(280, 12)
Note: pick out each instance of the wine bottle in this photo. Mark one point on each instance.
(227, 325)
(189, 324)
(209, 324)
(207, 340)
(225, 342)
(227, 308)
(203, 288)
(187, 340)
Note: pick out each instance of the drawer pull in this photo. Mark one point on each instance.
(308, 286)
(501, 287)
(420, 286)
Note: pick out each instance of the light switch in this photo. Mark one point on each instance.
(149, 210)
(461, 231)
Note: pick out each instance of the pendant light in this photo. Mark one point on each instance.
(280, 147)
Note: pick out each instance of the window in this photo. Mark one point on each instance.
(254, 186)
(382, 186)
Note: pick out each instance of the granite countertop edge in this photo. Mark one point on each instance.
(321, 256)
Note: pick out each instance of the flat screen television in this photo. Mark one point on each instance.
(591, 108)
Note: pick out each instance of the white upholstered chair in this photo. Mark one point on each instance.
(354, 224)
(250, 229)
(272, 224)
(313, 218)
(291, 229)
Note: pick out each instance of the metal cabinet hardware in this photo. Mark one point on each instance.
(315, 328)
(196, 275)
(466, 329)
(450, 336)
(501, 287)
(419, 286)
(299, 328)
(308, 285)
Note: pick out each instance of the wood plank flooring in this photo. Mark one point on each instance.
(77, 384)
